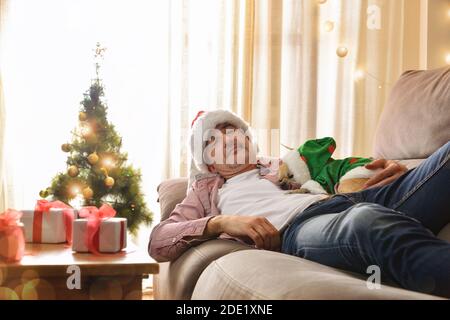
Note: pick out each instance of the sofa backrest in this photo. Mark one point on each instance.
(416, 119)
(170, 193)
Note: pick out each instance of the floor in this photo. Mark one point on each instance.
(147, 289)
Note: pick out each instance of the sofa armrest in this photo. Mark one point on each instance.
(177, 279)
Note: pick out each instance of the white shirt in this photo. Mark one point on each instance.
(248, 194)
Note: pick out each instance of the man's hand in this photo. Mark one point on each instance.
(258, 229)
(391, 171)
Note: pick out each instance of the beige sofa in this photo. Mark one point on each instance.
(415, 122)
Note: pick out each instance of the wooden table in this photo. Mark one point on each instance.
(44, 271)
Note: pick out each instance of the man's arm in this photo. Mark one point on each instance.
(258, 229)
(392, 170)
(172, 237)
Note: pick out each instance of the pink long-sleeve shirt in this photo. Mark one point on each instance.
(186, 224)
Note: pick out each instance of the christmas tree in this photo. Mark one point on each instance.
(97, 170)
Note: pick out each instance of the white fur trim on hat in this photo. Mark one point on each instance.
(297, 166)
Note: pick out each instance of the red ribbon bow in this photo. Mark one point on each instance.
(45, 206)
(10, 229)
(94, 219)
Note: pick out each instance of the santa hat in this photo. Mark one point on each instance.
(202, 123)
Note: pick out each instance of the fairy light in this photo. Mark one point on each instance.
(108, 162)
(328, 26)
(86, 130)
(359, 74)
(447, 59)
(75, 190)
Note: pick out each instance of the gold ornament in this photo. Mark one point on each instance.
(88, 193)
(73, 171)
(82, 116)
(109, 182)
(43, 193)
(66, 147)
(93, 158)
(342, 52)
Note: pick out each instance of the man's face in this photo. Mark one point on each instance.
(229, 151)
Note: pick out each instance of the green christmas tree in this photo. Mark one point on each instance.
(97, 171)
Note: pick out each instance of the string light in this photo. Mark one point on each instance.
(447, 59)
(359, 74)
(86, 130)
(108, 162)
(328, 26)
(75, 190)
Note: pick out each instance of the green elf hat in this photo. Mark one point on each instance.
(317, 154)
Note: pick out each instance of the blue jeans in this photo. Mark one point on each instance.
(393, 227)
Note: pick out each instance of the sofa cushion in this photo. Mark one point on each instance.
(170, 193)
(177, 279)
(416, 119)
(265, 275)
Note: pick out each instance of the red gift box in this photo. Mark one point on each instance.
(12, 240)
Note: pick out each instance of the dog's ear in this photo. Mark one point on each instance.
(283, 170)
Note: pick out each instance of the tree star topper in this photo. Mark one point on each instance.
(99, 55)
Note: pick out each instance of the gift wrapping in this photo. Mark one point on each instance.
(98, 230)
(109, 238)
(12, 242)
(49, 222)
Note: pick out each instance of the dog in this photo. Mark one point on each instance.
(294, 174)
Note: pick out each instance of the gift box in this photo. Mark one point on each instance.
(109, 238)
(99, 231)
(49, 222)
(12, 242)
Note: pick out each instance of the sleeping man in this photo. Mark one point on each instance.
(392, 223)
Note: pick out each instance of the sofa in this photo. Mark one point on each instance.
(415, 122)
